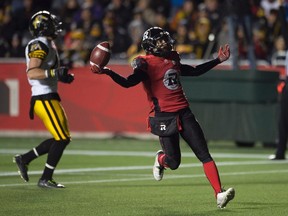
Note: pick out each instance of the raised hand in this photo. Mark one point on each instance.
(224, 53)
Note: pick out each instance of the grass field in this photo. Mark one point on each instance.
(114, 177)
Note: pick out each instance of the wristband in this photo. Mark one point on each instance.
(46, 73)
(50, 73)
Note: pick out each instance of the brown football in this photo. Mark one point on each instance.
(100, 55)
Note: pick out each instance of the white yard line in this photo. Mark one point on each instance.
(136, 154)
(146, 154)
(182, 176)
(124, 168)
(151, 178)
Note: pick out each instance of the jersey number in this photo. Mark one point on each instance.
(171, 79)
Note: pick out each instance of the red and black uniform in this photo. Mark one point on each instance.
(160, 78)
(159, 71)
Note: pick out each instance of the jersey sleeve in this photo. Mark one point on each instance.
(139, 74)
(37, 49)
(188, 70)
(174, 55)
(139, 64)
(132, 80)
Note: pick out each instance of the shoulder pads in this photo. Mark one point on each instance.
(139, 63)
(37, 49)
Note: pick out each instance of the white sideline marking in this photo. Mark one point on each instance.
(180, 176)
(151, 178)
(136, 154)
(146, 154)
(124, 168)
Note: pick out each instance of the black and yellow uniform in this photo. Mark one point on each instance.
(42, 57)
(45, 101)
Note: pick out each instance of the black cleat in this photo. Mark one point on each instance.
(23, 168)
(44, 183)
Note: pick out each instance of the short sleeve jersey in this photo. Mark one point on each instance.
(45, 50)
(163, 87)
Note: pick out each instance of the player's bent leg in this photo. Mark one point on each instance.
(169, 157)
(54, 156)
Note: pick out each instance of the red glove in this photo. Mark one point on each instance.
(224, 54)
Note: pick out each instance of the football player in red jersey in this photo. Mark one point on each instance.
(170, 115)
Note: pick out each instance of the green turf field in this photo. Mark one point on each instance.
(114, 177)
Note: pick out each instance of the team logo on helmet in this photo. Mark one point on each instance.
(43, 23)
(151, 40)
(38, 20)
(145, 35)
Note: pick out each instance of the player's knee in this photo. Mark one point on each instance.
(173, 163)
(205, 157)
(174, 166)
(65, 142)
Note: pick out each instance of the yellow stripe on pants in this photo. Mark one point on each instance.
(54, 118)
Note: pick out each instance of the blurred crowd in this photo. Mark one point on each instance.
(199, 27)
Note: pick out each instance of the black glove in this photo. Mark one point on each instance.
(61, 74)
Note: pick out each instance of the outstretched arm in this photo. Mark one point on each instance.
(139, 67)
(223, 55)
(130, 81)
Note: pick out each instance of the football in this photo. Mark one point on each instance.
(100, 56)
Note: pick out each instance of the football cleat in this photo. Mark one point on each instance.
(44, 183)
(275, 157)
(158, 170)
(224, 197)
(23, 168)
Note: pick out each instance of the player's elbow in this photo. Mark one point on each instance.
(30, 76)
(35, 74)
(127, 85)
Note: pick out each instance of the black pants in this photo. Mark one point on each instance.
(283, 123)
(193, 135)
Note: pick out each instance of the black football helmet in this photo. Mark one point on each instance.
(43, 23)
(157, 41)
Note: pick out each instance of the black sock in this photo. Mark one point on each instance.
(41, 149)
(54, 156)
